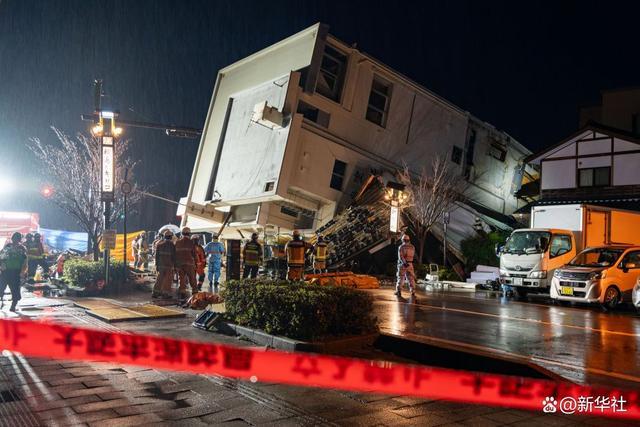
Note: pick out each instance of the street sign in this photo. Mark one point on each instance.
(107, 168)
(109, 239)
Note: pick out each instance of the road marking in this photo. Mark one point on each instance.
(504, 316)
(529, 360)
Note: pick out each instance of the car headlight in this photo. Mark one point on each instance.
(598, 275)
(538, 274)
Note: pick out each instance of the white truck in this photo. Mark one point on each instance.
(559, 232)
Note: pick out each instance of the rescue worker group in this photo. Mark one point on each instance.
(188, 259)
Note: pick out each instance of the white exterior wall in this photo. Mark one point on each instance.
(300, 157)
(593, 150)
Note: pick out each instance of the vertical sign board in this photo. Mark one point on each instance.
(393, 221)
(107, 169)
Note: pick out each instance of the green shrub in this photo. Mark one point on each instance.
(298, 310)
(480, 249)
(90, 274)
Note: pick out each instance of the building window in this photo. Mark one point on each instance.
(269, 186)
(379, 100)
(456, 155)
(497, 151)
(594, 177)
(337, 176)
(471, 147)
(314, 114)
(332, 72)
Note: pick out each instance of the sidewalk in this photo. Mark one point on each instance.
(75, 393)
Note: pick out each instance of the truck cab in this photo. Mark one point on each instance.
(605, 275)
(530, 256)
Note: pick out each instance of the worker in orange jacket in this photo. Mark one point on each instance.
(201, 260)
(295, 250)
(186, 263)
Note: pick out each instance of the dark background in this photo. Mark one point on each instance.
(524, 67)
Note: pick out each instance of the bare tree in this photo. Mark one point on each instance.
(73, 168)
(430, 194)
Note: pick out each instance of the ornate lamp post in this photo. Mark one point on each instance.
(395, 195)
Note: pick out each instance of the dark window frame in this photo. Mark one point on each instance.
(384, 113)
(456, 153)
(593, 177)
(342, 59)
(338, 174)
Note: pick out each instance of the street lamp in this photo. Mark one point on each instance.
(395, 195)
(107, 131)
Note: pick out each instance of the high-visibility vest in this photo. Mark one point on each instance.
(320, 251)
(252, 253)
(295, 252)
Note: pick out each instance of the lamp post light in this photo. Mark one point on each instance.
(394, 193)
(108, 133)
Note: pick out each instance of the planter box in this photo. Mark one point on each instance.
(330, 345)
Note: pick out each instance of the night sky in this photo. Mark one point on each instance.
(524, 67)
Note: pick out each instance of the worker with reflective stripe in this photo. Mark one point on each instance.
(215, 251)
(252, 254)
(201, 260)
(406, 252)
(186, 262)
(295, 257)
(165, 263)
(320, 255)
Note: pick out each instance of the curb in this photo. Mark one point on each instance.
(259, 337)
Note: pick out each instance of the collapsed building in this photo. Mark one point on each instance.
(295, 130)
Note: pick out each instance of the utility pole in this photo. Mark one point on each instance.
(126, 189)
(445, 220)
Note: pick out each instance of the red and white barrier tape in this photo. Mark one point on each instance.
(55, 341)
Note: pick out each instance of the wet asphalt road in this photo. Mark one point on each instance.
(580, 343)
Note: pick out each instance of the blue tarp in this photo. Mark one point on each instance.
(61, 240)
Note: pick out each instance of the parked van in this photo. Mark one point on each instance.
(559, 232)
(604, 274)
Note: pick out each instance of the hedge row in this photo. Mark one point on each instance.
(298, 310)
(90, 274)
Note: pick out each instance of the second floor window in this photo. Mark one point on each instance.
(594, 177)
(337, 176)
(379, 99)
(332, 72)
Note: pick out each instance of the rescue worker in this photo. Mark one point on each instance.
(295, 250)
(406, 252)
(186, 263)
(60, 265)
(13, 265)
(252, 254)
(143, 251)
(201, 260)
(320, 255)
(165, 264)
(215, 251)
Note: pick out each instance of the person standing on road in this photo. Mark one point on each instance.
(215, 251)
(406, 252)
(295, 250)
(13, 265)
(201, 260)
(186, 263)
(252, 254)
(165, 264)
(134, 250)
